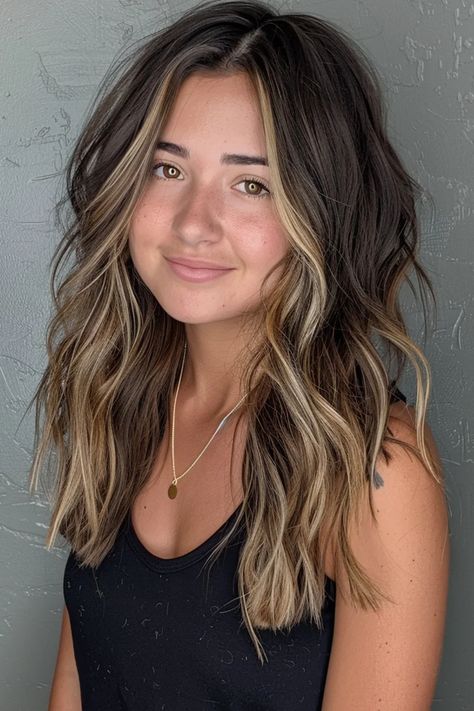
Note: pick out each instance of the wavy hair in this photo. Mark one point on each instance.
(332, 343)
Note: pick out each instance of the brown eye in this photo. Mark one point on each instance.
(171, 170)
(255, 188)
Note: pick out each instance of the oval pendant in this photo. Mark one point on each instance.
(172, 491)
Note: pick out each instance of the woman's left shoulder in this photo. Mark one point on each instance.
(405, 466)
(409, 533)
(389, 658)
(410, 503)
(406, 545)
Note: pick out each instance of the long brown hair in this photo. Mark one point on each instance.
(332, 339)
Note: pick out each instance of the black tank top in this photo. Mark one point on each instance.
(166, 634)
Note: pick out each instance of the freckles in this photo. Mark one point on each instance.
(145, 216)
(153, 214)
(146, 212)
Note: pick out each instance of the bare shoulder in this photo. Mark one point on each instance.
(401, 423)
(388, 659)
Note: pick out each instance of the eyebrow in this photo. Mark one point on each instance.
(226, 158)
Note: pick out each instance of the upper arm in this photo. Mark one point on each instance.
(65, 688)
(388, 660)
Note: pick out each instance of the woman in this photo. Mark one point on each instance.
(257, 518)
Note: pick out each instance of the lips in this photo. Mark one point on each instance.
(197, 263)
(196, 274)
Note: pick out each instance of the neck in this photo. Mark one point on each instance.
(211, 383)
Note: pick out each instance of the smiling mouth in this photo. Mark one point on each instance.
(196, 274)
(196, 264)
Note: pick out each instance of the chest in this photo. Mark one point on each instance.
(207, 495)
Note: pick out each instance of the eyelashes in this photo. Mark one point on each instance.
(248, 179)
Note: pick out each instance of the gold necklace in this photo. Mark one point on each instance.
(173, 489)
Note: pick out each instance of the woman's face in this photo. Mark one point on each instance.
(200, 204)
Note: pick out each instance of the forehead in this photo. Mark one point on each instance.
(214, 107)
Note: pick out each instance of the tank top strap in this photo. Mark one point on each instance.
(396, 394)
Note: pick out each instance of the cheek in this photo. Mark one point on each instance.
(146, 217)
(266, 243)
(146, 231)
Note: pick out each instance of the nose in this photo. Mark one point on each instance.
(197, 217)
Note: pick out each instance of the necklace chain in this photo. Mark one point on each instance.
(173, 489)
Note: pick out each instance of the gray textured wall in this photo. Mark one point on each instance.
(53, 55)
